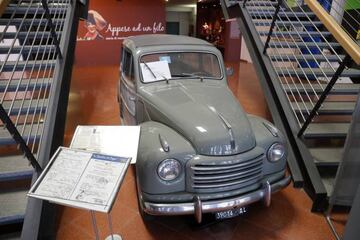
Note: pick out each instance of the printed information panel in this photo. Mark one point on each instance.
(112, 140)
(81, 179)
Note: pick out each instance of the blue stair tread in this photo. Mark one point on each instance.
(36, 130)
(310, 72)
(287, 23)
(13, 205)
(27, 106)
(302, 57)
(298, 45)
(296, 34)
(14, 167)
(23, 65)
(26, 49)
(25, 84)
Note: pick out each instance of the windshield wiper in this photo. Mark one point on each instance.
(152, 73)
(147, 66)
(189, 75)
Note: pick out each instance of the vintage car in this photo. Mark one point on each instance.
(199, 152)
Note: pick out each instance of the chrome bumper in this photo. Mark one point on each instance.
(198, 207)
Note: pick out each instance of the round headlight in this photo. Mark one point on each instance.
(169, 169)
(276, 152)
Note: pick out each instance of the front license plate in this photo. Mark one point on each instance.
(230, 213)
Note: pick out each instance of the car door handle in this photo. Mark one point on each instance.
(132, 99)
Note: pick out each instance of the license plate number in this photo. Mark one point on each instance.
(230, 213)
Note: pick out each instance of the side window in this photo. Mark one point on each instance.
(127, 65)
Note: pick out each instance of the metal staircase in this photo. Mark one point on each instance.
(307, 74)
(37, 42)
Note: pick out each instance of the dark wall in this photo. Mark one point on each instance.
(109, 21)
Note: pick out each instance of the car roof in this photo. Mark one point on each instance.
(162, 39)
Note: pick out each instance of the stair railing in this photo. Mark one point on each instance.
(45, 70)
(290, 75)
(347, 42)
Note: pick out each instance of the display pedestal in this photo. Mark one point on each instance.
(112, 236)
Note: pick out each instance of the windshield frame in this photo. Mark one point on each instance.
(180, 78)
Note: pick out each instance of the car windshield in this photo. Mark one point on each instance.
(178, 65)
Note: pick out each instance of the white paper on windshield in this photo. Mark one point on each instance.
(160, 69)
(113, 140)
(81, 179)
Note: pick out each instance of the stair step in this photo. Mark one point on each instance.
(33, 106)
(326, 156)
(338, 108)
(298, 45)
(302, 57)
(285, 15)
(268, 3)
(309, 72)
(27, 22)
(36, 130)
(27, 49)
(296, 34)
(288, 23)
(25, 84)
(14, 168)
(326, 130)
(23, 9)
(13, 206)
(20, 66)
(338, 89)
(29, 35)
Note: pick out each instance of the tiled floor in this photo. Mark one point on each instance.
(93, 101)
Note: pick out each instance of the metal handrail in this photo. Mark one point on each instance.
(53, 51)
(351, 47)
(276, 34)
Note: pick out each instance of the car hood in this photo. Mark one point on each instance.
(208, 115)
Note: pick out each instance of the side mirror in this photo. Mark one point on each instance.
(229, 71)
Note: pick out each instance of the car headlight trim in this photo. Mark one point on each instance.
(169, 169)
(276, 152)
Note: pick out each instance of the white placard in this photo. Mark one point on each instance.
(113, 140)
(81, 179)
(160, 69)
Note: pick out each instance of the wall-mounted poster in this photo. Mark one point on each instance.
(100, 36)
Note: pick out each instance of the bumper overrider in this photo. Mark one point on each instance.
(198, 207)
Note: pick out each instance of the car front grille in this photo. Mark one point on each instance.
(217, 176)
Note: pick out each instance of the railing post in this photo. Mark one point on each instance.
(18, 139)
(52, 28)
(244, 3)
(266, 45)
(346, 61)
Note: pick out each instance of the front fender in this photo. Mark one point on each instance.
(151, 153)
(265, 139)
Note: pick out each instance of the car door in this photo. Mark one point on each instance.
(128, 88)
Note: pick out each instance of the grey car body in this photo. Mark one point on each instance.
(222, 151)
